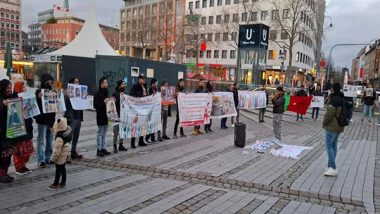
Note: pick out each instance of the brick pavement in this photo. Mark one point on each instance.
(207, 174)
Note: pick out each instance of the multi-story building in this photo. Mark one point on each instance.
(152, 29)
(10, 24)
(57, 35)
(218, 27)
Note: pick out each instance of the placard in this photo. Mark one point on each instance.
(369, 92)
(78, 96)
(318, 102)
(223, 105)
(168, 97)
(352, 90)
(194, 109)
(112, 116)
(29, 104)
(150, 73)
(53, 101)
(15, 119)
(180, 75)
(139, 116)
(252, 99)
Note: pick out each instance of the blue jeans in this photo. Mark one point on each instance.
(75, 127)
(331, 147)
(101, 137)
(45, 136)
(367, 111)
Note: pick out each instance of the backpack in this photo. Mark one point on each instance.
(345, 114)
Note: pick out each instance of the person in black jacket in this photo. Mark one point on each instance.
(74, 120)
(200, 89)
(301, 93)
(45, 122)
(368, 100)
(101, 117)
(236, 100)
(209, 89)
(139, 90)
(278, 101)
(179, 89)
(315, 111)
(119, 90)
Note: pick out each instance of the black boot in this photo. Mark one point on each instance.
(141, 143)
(122, 148)
(105, 152)
(99, 153)
(114, 148)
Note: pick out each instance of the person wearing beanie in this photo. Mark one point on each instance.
(119, 91)
(278, 101)
(45, 122)
(153, 90)
(6, 145)
(332, 127)
(60, 152)
(101, 117)
(24, 147)
(74, 120)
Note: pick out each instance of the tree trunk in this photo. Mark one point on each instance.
(289, 73)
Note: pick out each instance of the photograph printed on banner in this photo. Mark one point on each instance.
(15, 119)
(53, 101)
(369, 92)
(78, 96)
(112, 116)
(168, 97)
(29, 104)
(223, 105)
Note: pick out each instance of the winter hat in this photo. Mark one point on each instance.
(46, 77)
(60, 125)
(141, 76)
(118, 84)
(280, 88)
(18, 87)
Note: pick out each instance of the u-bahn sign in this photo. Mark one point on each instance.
(253, 36)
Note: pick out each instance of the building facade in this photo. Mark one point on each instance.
(152, 29)
(218, 26)
(10, 23)
(59, 34)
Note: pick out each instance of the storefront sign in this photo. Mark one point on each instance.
(253, 36)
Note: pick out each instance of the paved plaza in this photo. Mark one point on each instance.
(207, 174)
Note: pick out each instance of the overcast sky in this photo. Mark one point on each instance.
(354, 21)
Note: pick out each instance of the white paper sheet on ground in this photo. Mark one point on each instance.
(260, 145)
(289, 151)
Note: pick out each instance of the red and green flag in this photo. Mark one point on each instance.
(297, 104)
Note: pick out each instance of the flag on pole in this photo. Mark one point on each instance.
(298, 104)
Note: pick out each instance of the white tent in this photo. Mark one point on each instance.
(89, 42)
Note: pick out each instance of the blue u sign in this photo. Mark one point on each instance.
(254, 36)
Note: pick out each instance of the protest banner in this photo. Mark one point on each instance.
(223, 105)
(112, 115)
(78, 96)
(194, 109)
(29, 103)
(299, 104)
(169, 98)
(53, 101)
(139, 116)
(318, 102)
(252, 100)
(15, 120)
(352, 90)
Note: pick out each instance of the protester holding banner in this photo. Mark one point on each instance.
(153, 89)
(139, 90)
(262, 110)
(6, 145)
(119, 90)
(179, 89)
(278, 101)
(301, 93)
(24, 147)
(74, 120)
(164, 111)
(236, 101)
(315, 112)
(45, 122)
(200, 89)
(210, 89)
(368, 99)
(101, 117)
(234, 90)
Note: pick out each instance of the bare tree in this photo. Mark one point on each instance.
(143, 37)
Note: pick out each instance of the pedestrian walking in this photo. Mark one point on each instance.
(153, 89)
(45, 122)
(301, 93)
(101, 117)
(24, 147)
(60, 152)
(278, 101)
(200, 89)
(263, 110)
(139, 90)
(119, 91)
(368, 101)
(164, 111)
(332, 127)
(6, 145)
(315, 112)
(74, 120)
(209, 89)
(179, 89)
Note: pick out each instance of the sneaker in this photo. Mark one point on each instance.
(27, 170)
(53, 187)
(233, 125)
(331, 172)
(42, 165)
(21, 172)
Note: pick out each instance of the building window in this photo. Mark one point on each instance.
(275, 15)
(217, 37)
(273, 35)
(191, 4)
(225, 36)
(271, 54)
(201, 54)
(218, 19)
(236, 1)
(209, 37)
(233, 54)
(203, 36)
(219, 2)
(208, 54)
(235, 17)
(264, 15)
(228, 2)
(203, 21)
(224, 54)
(204, 3)
(244, 17)
(210, 20)
(212, 3)
(253, 17)
(234, 36)
(286, 14)
(284, 34)
(197, 4)
(216, 54)
(226, 18)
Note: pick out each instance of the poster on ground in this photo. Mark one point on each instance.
(53, 101)
(318, 102)
(139, 116)
(29, 103)
(78, 96)
(194, 109)
(169, 98)
(352, 90)
(15, 119)
(223, 105)
(112, 116)
(252, 99)
(289, 151)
